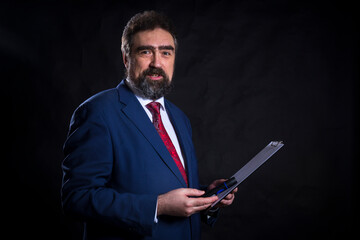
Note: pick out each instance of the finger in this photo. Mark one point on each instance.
(192, 192)
(201, 208)
(229, 196)
(219, 181)
(202, 205)
(227, 201)
(223, 203)
(209, 200)
(204, 201)
(216, 183)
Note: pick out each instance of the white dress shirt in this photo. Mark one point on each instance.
(167, 124)
(165, 119)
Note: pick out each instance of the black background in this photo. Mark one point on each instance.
(247, 72)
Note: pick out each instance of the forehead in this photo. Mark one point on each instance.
(156, 37)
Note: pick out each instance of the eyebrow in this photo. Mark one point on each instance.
(161, 47)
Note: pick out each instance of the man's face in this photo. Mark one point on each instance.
(150, 64)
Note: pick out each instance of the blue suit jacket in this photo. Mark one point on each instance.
(116, 165)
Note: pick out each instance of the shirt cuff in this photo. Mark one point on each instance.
(155, 216)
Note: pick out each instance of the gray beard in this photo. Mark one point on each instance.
(150, 89)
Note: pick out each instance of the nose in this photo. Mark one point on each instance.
(156, 60)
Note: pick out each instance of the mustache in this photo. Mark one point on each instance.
(152, 89)
(151, 71)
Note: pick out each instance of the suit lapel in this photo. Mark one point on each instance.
(136, 114)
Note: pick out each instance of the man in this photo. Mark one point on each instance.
(130, 170)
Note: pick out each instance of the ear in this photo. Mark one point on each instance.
(125, 60)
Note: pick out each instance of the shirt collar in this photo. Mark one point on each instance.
(145, 101)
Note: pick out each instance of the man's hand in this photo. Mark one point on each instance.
(179, 202)
(228, 200)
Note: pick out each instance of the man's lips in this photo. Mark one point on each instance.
(154, 77)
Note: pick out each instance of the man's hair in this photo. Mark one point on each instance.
(148, 20)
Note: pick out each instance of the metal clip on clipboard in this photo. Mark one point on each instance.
(227, 187)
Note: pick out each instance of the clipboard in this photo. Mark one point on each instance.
(227, 187)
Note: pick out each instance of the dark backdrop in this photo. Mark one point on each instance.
(246, 73)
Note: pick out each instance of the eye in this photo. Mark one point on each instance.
(166, 53)
(145, 52)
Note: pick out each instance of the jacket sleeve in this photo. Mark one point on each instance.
(87, 168)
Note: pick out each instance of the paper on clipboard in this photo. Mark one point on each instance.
(224, 189)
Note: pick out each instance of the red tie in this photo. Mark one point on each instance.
(154, 108)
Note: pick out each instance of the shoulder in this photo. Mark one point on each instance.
(102, 99)
(110, 98)
(95, 106)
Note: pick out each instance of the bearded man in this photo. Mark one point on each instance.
(130, 170)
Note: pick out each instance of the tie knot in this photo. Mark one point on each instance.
(154, 107)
